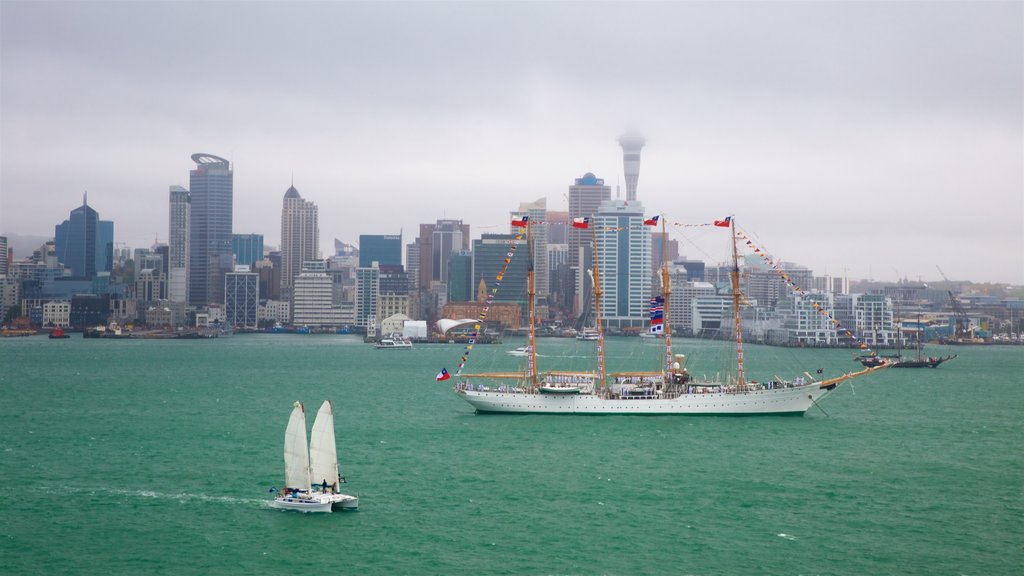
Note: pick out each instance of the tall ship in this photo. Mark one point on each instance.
(669, 389)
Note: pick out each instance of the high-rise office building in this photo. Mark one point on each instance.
(247, 248)
(585, 197)
(385, 250)
(489, 254)
(460, 276)
(313, 302)
(624, 264)
(84, 243)
(241, 297)
(300, 238)
(211, 191)
(4, 262)
(179, 219)
(631, 145)
(537, 212)
(436, 243)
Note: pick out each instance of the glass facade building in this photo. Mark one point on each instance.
(211, 190)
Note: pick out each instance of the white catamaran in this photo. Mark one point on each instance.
(311, 474)
(671, 390)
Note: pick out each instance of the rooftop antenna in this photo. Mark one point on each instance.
(85, 198)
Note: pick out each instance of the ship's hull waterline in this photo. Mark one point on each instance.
(796, 400)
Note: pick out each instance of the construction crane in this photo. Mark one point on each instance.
(963, 324)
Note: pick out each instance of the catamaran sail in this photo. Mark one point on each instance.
(296, 452)
(323, 456)
(318, 460)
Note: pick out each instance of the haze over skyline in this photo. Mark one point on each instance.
(879, 138)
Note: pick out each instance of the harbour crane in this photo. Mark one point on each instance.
(963, 324)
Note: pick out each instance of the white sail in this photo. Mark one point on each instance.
(296, 452)
(323, 455)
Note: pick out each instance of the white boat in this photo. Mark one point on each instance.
(311, 473)
(670, 390)
(393, 342)
(588, 334)
(521, 351)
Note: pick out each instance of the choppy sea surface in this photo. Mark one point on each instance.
(155, 457)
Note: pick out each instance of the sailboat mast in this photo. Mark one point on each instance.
(666, 291)
(597, 315)
(530, 293)
(736, 300)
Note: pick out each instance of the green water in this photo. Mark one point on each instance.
(155, 457)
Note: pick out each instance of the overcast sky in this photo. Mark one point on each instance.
(876, 138)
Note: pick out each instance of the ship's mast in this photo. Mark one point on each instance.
(736, 300)
(597, 315)
(666, 291)
(532, 361)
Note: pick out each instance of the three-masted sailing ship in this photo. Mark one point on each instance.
(669, 390)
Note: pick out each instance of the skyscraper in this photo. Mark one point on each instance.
(436, 243)
(84, 243)
(624, 258)
(585, 197)
(241, 297)
(178, 226)
(3, 256)
(300, 238)
(537, 211)
(631, 145)
(211, 188)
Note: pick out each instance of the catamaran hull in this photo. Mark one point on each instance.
(775, 401)
(316, 502)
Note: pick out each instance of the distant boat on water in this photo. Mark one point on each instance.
(58, 333)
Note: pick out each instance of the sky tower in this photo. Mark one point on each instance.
(631, 145)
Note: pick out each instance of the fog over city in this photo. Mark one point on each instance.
(875, 139)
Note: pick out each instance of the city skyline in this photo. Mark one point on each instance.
(879, 139)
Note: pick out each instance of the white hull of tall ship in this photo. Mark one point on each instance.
(315, 502)
(790, 400)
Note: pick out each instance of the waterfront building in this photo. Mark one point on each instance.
(712, 315)
(178, 243)
(277, 311)
(624, 261)
(247, 248)
(804, 324)
(367, 301)
(681, 308)
(869, 316)
(85, 244)
(300, 238)
(312, 302)
(241, 297)
(57, 313)
(385, 249)
(631, 145)
(211, 194)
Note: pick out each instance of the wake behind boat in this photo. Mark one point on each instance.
(311, 473)
(670, 390)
